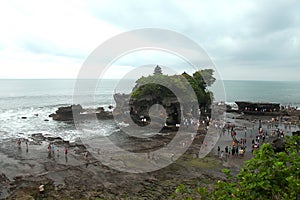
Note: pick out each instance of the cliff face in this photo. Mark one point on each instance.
(139, 108)
(171, 106)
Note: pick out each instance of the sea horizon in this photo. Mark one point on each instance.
(233, 89)
(266, 80)
(31, 97)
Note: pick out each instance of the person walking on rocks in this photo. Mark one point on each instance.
(219, 150)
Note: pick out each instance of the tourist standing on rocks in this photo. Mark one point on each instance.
(42, 190)
(86, 154)
(226, 151)
(222, 154)
(26, 142)
(66, 151)
(52, 148)
(57, 152)
(19, 143)
(219, 150)
(49, 148)
(66, 154)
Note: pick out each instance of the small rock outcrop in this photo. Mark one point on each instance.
(278, 145)
(66, 113)
(296, 133)
(3, 178)
(69, 112)
(102, 114)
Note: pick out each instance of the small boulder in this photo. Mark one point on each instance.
(67, 113)
(3, 178)
(278, 145)
(296, 133)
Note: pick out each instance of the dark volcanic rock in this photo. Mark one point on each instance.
(38, 136)
(102, 114)
(3, 179)
(66, 113)
(278, 145)
(69, 112)
(296, 133)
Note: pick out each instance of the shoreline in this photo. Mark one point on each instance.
(25, 171)
(75, 176)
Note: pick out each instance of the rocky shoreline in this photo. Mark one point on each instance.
(76, 176)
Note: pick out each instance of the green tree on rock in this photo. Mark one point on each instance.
(205, 77)
(147, 86)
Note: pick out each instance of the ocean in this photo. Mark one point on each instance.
(36, 99)
(283, 92)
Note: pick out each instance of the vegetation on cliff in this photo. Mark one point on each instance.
(158, 86)
(268, 175)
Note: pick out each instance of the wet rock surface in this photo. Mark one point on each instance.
(68, 113)
(76, 177)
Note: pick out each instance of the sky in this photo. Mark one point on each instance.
(245, 39)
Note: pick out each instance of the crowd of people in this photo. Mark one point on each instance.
(238, 145)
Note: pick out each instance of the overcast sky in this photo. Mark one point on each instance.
(247, 40)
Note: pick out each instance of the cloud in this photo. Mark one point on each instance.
(234, 33)
(55, 37)
(269, 17)
(238, 35)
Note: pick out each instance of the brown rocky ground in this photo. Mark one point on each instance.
(74, 177)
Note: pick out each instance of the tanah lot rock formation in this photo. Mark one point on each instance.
(146, 94)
